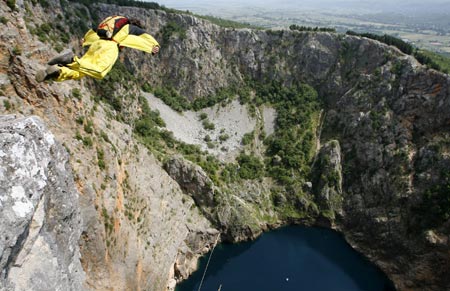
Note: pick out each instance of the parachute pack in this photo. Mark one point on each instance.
(110, 26)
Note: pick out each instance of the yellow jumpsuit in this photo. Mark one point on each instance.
(102, 54)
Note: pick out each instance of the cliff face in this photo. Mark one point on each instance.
(380, 174)
(137, 228)
(40, 213)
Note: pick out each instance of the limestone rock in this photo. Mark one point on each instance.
(192, 179)
(328, 180)
(39, 211)
(389, 114)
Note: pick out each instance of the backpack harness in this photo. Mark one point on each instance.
(110, 26)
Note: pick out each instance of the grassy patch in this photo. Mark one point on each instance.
(433, 60)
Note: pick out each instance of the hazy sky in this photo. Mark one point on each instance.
(361, 6)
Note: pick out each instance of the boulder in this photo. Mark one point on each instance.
(39, 212)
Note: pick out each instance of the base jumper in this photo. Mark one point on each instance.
(104, 42)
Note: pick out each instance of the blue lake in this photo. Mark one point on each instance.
(292, 258)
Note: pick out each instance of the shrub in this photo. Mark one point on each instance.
(147, 88)
(433, 60)
(230, 173)
(224, 137)
(89, 127)
(87, 141)
(250, 167)
(387, 39)
(172, 28)
(7, 104)
(208, 125)
(221, 95)
(104, 136)
(76, 93)
(79, 120)
(17, 50)
(172, 98)
(101, 158)
(308, 28)
(435, 207)
(11, 4)
(247, 138)
(78, 136)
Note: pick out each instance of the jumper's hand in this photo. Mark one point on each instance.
(155, 50)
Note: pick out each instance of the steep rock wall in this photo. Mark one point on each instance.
(388, 114)
(137, 227)
(39, 211)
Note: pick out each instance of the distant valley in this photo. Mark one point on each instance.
(425, 25)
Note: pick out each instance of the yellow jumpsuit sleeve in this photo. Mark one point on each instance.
(90, 37)
(144, 42)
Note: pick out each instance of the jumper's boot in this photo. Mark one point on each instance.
(50, 73)
(64, 58)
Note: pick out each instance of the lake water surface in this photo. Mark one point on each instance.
(292, 258)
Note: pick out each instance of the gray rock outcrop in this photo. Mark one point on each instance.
(39, 212)
(193, 180)
(328, 181)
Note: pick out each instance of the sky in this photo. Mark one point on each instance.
(342, 6)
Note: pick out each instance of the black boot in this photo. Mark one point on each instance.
(51, 72)
(64, 58)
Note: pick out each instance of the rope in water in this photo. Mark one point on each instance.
(207, 264)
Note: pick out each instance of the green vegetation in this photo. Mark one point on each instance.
(387, 39)
(250, 167)
(76, 93)
(227, 23)
(133, 3)
(119, 79)
(291, 148)
(154, 5)
(3, 20)
(208, 125)
(433, 60)
(172, 98)
(147, 126)
(224, 137)
(222, 95)
(170, 29)
(89, 127)
(17, 50)
(435, 207)
(425, 57)
(79, 120)
(7, 104)
(43, 3)
(11, 4)
(101, 158)
(308, 28)
(247, 138)
(87, 141)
